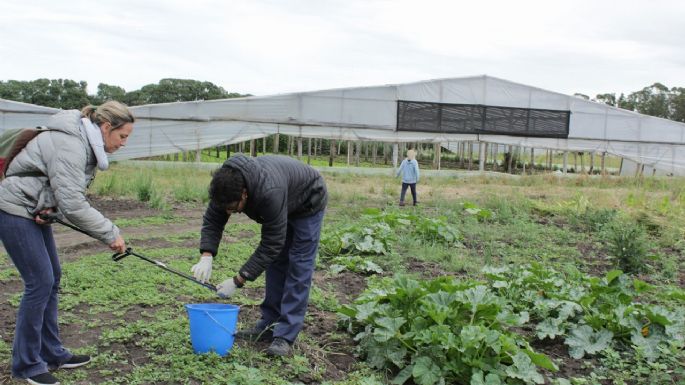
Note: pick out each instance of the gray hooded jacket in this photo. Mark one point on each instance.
(67, 161)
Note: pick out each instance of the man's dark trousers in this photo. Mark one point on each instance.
(289, 278)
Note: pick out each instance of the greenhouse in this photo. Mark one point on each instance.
(479, 109)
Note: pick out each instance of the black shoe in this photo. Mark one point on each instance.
(43, 379)
(254, 334)
(75, 362)
(279, 347)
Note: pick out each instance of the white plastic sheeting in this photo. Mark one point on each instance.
(370, 113)
(16, 115)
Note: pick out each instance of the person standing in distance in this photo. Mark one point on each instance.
(49, 175)
(409, 168)
(288, 199)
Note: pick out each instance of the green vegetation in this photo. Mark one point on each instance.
(443, 331)
(70, 94)
(409, 284)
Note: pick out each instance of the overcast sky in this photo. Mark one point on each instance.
(267, 47)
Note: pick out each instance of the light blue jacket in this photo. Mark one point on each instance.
(409, 170)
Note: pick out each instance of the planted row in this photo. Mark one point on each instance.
(464, 331)
(442, 331)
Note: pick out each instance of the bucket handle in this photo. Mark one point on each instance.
(218, 323)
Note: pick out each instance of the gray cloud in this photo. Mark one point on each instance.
(269, 46)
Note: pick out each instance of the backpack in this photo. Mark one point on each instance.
(12, 141)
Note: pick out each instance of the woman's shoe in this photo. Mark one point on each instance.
(43, 379)
(75, 361)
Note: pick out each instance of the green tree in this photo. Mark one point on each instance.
(68, 94)
(652, 100)
(11, 90)
(71, 94)
(135, 98)
(59, 93)
(677, 104)
(609, 99)
(626, 104)
(108, 92)
(178, 90)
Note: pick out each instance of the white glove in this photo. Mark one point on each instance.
(226, 288)
(202, 271)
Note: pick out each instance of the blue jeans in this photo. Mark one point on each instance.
(289, 278)
(36, 336)
(404, 191)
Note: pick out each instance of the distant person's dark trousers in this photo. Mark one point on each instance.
(36, 337)
(404, 191)
(289, 278)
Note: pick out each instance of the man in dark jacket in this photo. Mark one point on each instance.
(288, 199)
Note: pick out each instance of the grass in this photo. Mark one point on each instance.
(135, 309)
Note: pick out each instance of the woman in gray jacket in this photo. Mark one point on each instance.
(51, 174)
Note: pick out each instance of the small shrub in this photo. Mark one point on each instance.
(143, 187)
(507, 209)
(627, 242)
(106, 185)
(596, 219)
(188, 192)
(157, 201)
(648, 222)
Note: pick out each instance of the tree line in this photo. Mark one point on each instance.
(71, 94)
(655, 100)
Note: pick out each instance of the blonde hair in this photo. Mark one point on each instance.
(411, 154)
(115, 113)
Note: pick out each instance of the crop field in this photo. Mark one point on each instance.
(489, 280)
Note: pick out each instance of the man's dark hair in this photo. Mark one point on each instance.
(226, 187)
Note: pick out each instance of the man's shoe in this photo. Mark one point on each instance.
(253, 334)
(43, 379)
(401, 203)
(75, 361)
(279, 347)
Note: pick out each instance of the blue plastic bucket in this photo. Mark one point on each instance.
(212, 326)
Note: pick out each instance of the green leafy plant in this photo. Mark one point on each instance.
(590, 313)
(354, 264)
(480, 213)
(368, 238)
(583, 339)
(442, 331)
(436, 229)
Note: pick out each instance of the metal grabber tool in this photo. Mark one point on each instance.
(55, 217)
(119, 256)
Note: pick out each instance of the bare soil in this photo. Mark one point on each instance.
(325, 345)
(331, 351)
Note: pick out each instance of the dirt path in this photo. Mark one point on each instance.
(334, 353)
(72, 244)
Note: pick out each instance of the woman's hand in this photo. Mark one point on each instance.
(43, 212)
(118, 245)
